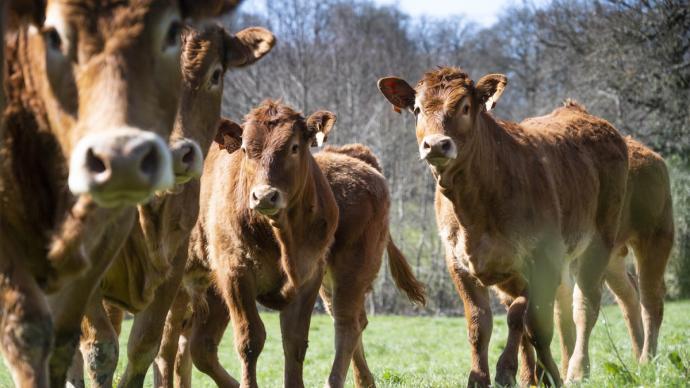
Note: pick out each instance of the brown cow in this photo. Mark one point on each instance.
(267, 220)
(352, 264)
(153, 259)
(90, 92)
(516, 204)
(646, 229)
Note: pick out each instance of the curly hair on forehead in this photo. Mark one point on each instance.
(442, 88)
(271, 113)
(199, 48)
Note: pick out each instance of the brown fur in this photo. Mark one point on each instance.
(352, 264)
(51, 104)
(516, 202)
(152, 261)
(276, 259)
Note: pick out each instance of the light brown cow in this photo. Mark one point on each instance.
(352, 264)
(153, 259)
(517, 204)
(91, 93)
(267, 220)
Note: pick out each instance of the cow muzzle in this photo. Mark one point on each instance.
(438, 150)
(187, 160)
(120, 167)
(266, 200)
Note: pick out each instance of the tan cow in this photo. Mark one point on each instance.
(267, 220)
(352, 264)
(92, 92)
(151, 264)
(516, 204)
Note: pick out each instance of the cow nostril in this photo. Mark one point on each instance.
(254, 197)
(445, 145)
(149, 163)
(426, 145)
(274, 197)
(94, 163)
(188, 157)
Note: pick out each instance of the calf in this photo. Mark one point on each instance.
(352, 264)
(267, 220)
(516, 204)
(153, 259)
(92, 93)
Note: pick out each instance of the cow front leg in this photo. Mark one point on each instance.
(99, 344)
(477, 305)
(147, 329)
(164, 366)
(26, 327)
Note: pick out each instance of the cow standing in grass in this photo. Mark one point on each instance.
(516, 205)
(150, 266)
(92, 92)
(352, 264)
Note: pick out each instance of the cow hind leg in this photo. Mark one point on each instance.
(563, 315)
(507, 365)
(164, 366)
(26, 329)
(628, 299)
(75, 374)
(205, 335)
(347, 309)
(362, 374)
(539, 324)
(183, 359)
(652, 254)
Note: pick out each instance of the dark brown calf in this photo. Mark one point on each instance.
(516, 204)
(92, 92)
(352, 265)
(267, 220)
(151, 264)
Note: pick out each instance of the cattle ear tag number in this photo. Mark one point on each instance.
(320, 137)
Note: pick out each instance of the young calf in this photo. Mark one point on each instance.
(267, 220)
(354, 260)
(152, 262)
(517, 204)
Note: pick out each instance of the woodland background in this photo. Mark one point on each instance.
(625, 60)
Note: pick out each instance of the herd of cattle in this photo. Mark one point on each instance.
(123, 189)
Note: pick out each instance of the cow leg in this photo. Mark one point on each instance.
(294, 327)
(204, 338)
(239, 292)
(164, 366)
(652, 254)
(507, 365)
(99, 344)
(539, 320)
(628, 299)
(528, 376)
(587, 300)
(147, 329)
(363, 376)
(75, 374)
(563, 314)
(183, 359)
(69, 304)
(116, 315)
(477, 305)
(26, 327)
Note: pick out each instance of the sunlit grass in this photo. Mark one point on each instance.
(433, 352)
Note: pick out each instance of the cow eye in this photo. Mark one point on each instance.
(295, 149)
(172, 37)
(465, 109)
(216, 77)
(53, 39)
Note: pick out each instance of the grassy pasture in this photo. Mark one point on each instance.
(433, 352)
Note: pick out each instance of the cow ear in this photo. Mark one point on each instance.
(199, 9)
(489, 89)
(398, 92)
(247, 46)
(319, 125)
(229, 135)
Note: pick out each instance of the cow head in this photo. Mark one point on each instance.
(275, 142)
(206, 54)
(446, 105)
(108, 75)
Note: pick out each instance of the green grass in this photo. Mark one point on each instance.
(433, 352)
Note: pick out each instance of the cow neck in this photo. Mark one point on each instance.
(474, 183)
(34, 168)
